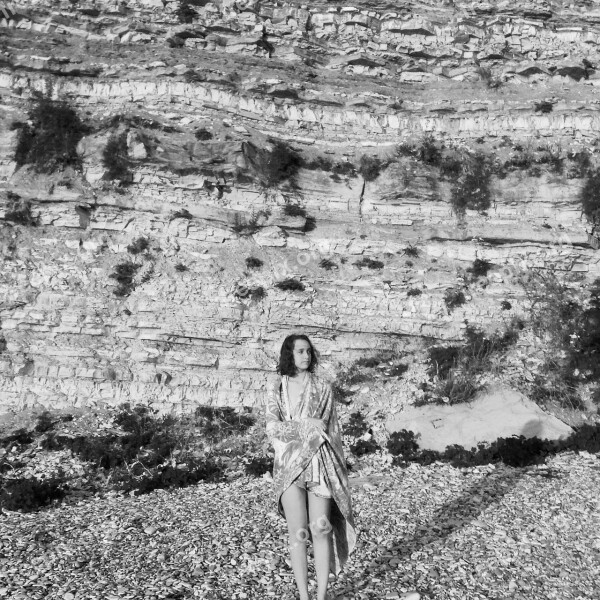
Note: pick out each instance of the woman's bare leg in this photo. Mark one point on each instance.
(319, 510)
(294, 506)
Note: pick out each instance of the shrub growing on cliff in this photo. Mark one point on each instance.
(370, 167)
(124, 274)
(290, 284)
(203, 135)
(491, 81)
(472, 191)
(456, 368)
(453, 298)
(544, 107)
(589, 196)
(50, 141)
(320, 163)
(138, 245)
(479, 268)
(344, 168)
(569, 322)
(115, 157)
(274, 165)
(254, 263)
(369, 263)
(19, 211)
(244, 227)
(185, 13)
(327, 264)
(294, 210)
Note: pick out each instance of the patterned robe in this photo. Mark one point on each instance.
(295, 442)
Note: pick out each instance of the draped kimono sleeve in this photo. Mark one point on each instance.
(296, 442)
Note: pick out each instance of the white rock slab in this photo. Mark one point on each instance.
(497, 412)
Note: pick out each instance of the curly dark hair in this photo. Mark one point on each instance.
(286, 364)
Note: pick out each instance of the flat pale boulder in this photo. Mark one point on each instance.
(493, 413)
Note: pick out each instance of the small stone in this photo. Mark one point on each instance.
(69, 596)
(150, 530)
(411, 596)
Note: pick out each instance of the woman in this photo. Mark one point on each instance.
(309, 472)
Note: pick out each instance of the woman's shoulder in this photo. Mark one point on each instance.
(321, 380)
(274, 382)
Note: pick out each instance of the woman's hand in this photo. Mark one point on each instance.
(320, 424)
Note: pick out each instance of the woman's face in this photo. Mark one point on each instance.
(302, 355)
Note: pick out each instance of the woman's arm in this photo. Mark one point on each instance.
(277, 427)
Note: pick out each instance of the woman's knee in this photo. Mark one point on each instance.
(321, 527)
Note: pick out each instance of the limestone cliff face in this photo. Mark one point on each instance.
(196, 91)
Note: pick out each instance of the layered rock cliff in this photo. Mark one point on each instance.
(228, 146)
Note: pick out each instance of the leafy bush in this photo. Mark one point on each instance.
(442, 359)
(472, 191)
(544, 107)
(451, 165)
(257, 466)
(414, 292)
(581, 163)
(115, 157)
(491, 81)
(428, 151)
(412, 251)
(45, 422)
(362, 447)
(370, 167)
(344, 168)
(272, 166)
(402, 443)
(20, 437)
(319, 164)
(570, 326)
(454, 298)
(589, 196)
(138, 245)
(505, 305)
(516, 451)
(29, 494)
(181, 267)
(479, 268)
(457, 367)
(50, 142)
(253, 262)
(251, 226)
(219, 422)
(19, 211)
(124, 274)
(369, 263)
(294, 210)
(166, 477)
(327, 264)
(182, 213)
(397, 370)
(356, 425)
(290, 284)
(203, 135)
(185, 13)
